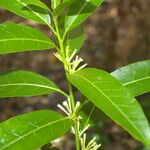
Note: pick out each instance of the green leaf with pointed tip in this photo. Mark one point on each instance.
(79, 11)
(32, 130)
(135, 77)
(108, 94)
(75, 38)
(20, 38)
(124, 75)
(25, 83)
(30, 9)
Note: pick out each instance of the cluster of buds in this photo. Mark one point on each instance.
(66, 107)
(92, 145)
(71, 65)
(80, 130)
(72, 113)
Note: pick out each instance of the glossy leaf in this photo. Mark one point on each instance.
(25, 83)
(79, 11)
(135, 77)
(64, 4)
(32, 130)
(108, 94)
(20, 38)
(76, 38)
(29, 9)
(136, 87)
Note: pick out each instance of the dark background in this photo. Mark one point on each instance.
(117, 34)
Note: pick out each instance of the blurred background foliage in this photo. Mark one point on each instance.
(118, 33)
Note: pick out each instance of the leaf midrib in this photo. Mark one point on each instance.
(24, 39)
(29, 84)
(31, 132)
(134, 81)
(112, 103)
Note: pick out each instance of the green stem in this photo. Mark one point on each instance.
(71, 95)
(63, 93)
(76, 121)
(51, 28)
(63, 53)
(77, 137)
(59, 38)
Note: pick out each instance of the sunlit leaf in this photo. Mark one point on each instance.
(108, 94)
(25, 83)
(135, 77)
(20, 38)
(32, 130)
(55, 3)
(79, 11)
(29, 9)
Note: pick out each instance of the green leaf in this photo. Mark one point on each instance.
(145, 103)
(135, 77)
(79, 11)
(76, 38)
(108, 94)
(136, 87)
(29, 9)
(20, 38)
(25, 83)
(55, 3)
(64, 4)
(91, 114)
(32, 130)
(34, 3)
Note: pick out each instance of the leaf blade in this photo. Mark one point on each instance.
(64, 4)
(91, 114)
(75, 39)
(25, 83)
(116, 102)
(33, 10)
(55, 3)
(20, 38)
(135, 77)
(32, 130)
(79, 11)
